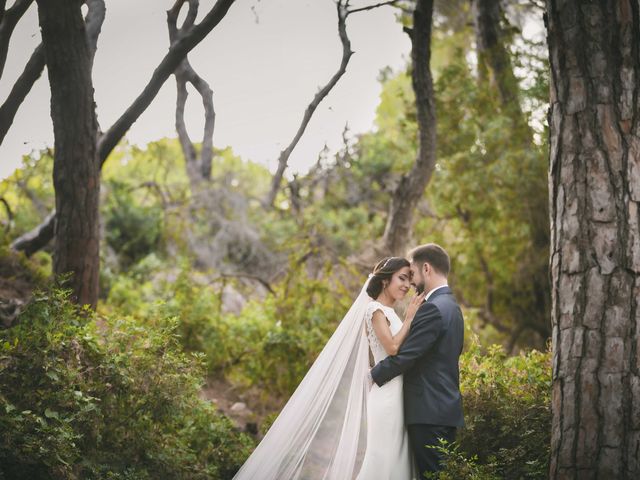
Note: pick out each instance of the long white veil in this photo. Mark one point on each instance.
(321, 432)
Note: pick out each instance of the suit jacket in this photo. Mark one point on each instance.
(428, 358)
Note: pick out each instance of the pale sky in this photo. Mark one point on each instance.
(264, 65)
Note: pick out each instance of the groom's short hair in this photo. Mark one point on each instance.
(434, 255)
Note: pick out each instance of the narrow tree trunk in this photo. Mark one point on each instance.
(496, 72)
(398, 229)
(595, 238)
(76, 169)
(494, 60)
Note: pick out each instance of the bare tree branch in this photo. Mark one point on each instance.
(34, 240)
(32, 71)
(94, 21)
(371, 7)
(197, 170)
(260, 280)
(8, 22)
(167, 66)
(343, 12)
(34, 67)
(322, 93)
(154, 186)
(3, 3)
(42, 209)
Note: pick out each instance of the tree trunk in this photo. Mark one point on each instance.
(398, 230)
(494, 60)
(496, 72)
(107, 142)
(595, 238)
(76, 169)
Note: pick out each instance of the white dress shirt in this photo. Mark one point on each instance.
(433, 290)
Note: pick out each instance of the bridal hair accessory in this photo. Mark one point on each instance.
(382, 267)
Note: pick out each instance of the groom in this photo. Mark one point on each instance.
(428, 358)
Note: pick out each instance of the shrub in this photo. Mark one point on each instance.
(106, 399)
(279, 338)
(508, 415)
(133, 229)
(457, 466)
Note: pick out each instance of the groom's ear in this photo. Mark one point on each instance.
(427, 267)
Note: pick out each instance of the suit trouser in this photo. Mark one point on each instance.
(423, 436)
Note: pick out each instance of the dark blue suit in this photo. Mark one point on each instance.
(428, 358)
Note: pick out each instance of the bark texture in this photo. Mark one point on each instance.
(76, 169)
(410, 189)
(595, 238)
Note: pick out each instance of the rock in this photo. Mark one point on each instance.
(239, 407)
(232, 300)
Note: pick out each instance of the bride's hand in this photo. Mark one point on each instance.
(414, 304)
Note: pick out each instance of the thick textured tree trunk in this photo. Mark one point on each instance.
(398, 230)
(595, 238)
(76, 169)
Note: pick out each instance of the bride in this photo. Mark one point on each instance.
(336, 426)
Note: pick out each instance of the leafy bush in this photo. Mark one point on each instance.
(507, 402)
(200, 325)
(457, 466)
(106, 399)
(132, 228)
(279, 338)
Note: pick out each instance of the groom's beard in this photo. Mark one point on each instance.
(420, 288)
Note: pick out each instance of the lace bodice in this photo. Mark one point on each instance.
(395, 324)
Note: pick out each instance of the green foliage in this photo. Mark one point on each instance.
(200, 324)
(457, 466)
(133, 230)
(29, 194)
(507, 403)
(280, 337)
(105, 398)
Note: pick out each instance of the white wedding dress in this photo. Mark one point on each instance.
(334, 427)
(387, 455)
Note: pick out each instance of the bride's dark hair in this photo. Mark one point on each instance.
(384, 270)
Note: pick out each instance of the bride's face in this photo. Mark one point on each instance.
(400, 284)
